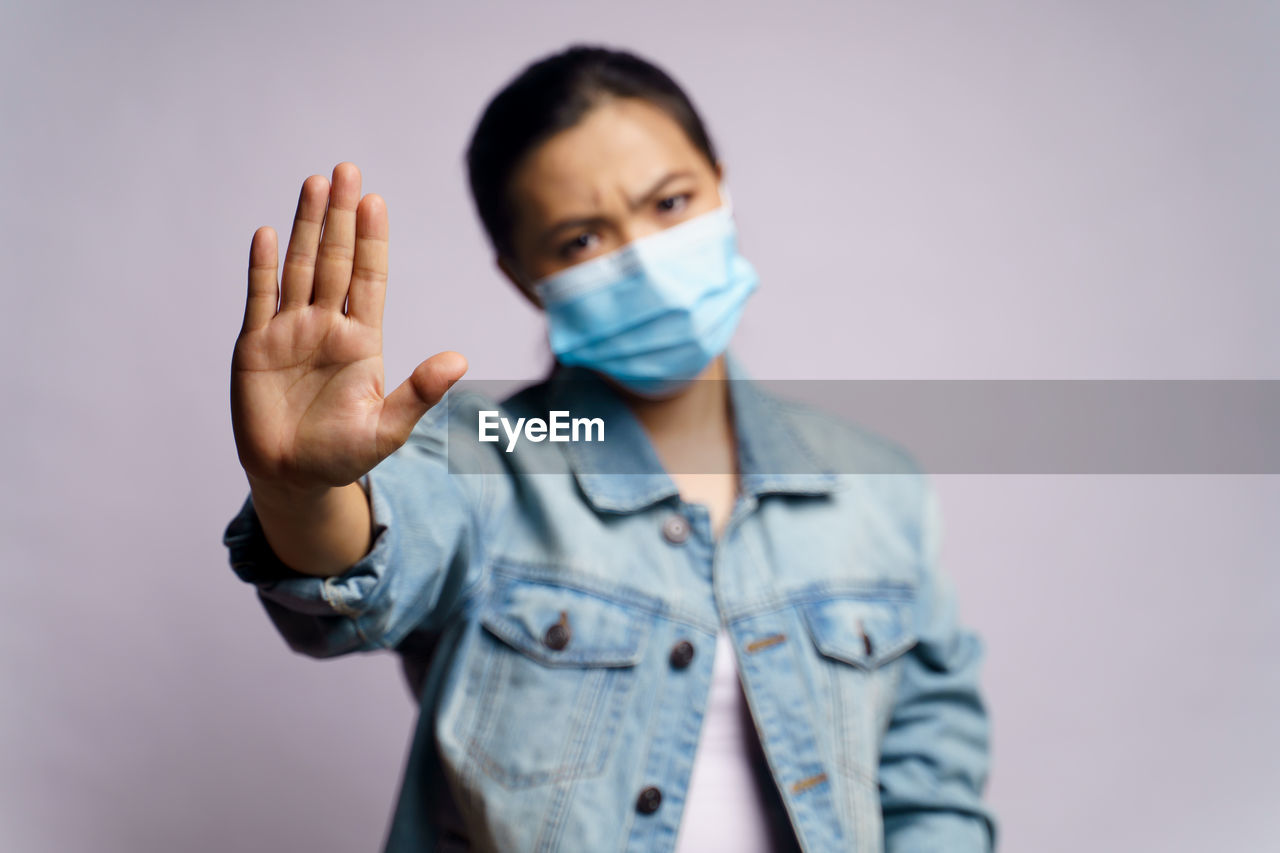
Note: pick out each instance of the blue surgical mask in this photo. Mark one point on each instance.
(653, 313)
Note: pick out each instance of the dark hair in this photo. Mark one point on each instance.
(551, 95)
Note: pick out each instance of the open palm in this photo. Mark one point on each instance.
(307, 402)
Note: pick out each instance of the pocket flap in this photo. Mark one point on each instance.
(862, 630)
(593, 630)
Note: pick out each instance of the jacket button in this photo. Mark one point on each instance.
(675, 529)
(649, 800)
(681, 654)
(557, 636)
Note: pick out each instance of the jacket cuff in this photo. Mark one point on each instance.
(348, 593)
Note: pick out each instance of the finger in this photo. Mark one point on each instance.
(338, 245)
(405, 406)
(300, 260)
(260, 304)
(368, 291)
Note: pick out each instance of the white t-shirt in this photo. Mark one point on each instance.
(725, 809)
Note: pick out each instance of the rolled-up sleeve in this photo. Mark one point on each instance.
(935, 754)
(427, 554)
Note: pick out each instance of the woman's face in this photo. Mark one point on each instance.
(626, 170)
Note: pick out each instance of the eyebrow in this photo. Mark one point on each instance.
(592, 220)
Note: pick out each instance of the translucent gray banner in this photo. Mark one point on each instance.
(882, 426)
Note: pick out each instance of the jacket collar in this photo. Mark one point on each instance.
(624, 473)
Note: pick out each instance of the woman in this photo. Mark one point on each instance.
(707, 629)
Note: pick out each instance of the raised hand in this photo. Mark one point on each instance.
(307, 403)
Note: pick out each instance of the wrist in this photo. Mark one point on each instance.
(279, 494)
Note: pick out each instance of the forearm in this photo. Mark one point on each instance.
(317, 532)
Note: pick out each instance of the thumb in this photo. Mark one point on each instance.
(405, 406)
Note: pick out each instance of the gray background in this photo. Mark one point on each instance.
(940, 190)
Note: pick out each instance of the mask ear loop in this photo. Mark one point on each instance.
(530, 285)
(726, 200)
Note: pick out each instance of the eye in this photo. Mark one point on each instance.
(571, 248)
(666, 205)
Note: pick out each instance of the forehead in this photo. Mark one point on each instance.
(619, 147)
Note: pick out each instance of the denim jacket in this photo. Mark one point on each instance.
(555, 608)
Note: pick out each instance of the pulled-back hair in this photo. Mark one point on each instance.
(553, 94)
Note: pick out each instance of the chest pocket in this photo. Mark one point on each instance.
(548, 680)
(858, 639)
(863, 631)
